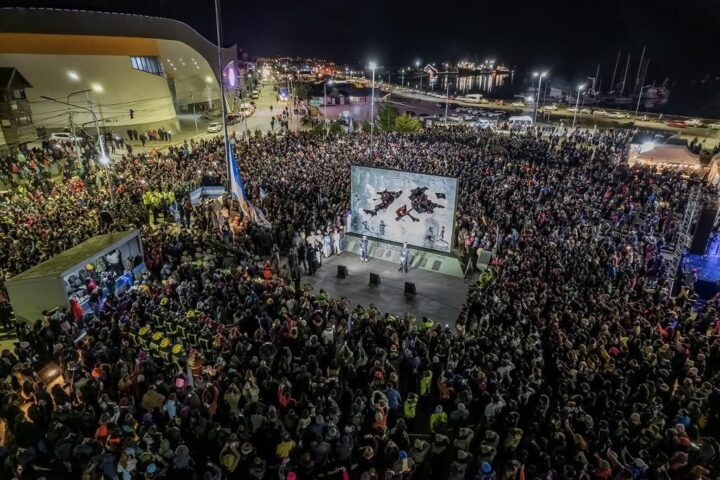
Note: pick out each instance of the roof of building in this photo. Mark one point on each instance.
(343, 88)
(12, 79)
(69, 258)
(110, 24)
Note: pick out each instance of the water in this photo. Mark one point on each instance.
(491, 85)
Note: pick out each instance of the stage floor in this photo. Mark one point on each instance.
(439, 297)
(708, 266)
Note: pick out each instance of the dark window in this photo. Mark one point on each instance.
(148, 64)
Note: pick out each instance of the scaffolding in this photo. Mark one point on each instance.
(684, 235)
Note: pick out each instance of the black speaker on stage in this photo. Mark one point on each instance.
(374, 280)
(410, 289)
(703, 229)
(342, 271)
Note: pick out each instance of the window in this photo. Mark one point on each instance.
(148, 64)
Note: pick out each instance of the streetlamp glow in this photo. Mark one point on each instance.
(577, 103)
(539, 76)
(97, 88)
(73, 76)
(372, 66)
(417, 63)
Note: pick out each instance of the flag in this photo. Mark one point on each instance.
(237, 188)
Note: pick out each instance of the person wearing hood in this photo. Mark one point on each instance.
(182, 464)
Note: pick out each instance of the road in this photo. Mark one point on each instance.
(259, 120)
(422, 103)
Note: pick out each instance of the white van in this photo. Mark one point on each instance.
(472, 98)
(520, 121)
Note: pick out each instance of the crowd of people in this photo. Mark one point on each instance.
(569, 360)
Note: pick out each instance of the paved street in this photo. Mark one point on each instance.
(427, 104)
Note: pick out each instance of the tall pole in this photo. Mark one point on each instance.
(642, 87)
(192, 100)
(639, 72)
(325, 105)
(612, 82)
(222, 92)
(537, 99)
(447, 97)
(372, 108)
(627, 67)
(577, 105)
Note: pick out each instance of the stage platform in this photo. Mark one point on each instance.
(708, 266)
(420, 259)
(439, 297)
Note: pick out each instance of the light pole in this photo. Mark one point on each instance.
(192, 100)
(447, 98)
(537, 99)
(372, 67)
(72, 125)
(417, 66)
(103, 156)
(330, 82)
(577, 103)
(402, 77)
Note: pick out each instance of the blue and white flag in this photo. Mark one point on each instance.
(237, 188)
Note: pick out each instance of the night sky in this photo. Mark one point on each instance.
(569, 37)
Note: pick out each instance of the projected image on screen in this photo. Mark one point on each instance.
(403, 206)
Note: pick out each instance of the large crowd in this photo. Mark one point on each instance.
(569, 360)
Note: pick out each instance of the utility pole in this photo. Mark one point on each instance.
(222, 93)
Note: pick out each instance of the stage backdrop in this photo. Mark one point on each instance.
(403, 206)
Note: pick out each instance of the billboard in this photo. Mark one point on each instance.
(403, 206)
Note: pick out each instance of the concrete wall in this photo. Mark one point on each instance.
(122, 88)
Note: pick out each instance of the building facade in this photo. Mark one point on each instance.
(130, 70)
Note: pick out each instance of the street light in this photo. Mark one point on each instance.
(70, 114)
(537, 101)
(447, 99)
(104, 160)
(327, 82)
(577, 103)
(372, 66)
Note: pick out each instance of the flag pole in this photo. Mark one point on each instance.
(222, 92)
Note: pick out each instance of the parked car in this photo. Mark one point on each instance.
(550, 108)
(64, 137)
(517, 104)
(676, 124)
(601, 113)
(715, 126)
(694, 122)
(617, 115)
(482, 123)
(214, 127)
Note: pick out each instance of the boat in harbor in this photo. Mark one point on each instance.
(487, 67)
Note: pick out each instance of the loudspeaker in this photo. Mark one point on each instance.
(410, 289)
(703, 229)
(342, 271)
(374, 279)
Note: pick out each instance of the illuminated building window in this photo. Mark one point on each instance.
(148, 64)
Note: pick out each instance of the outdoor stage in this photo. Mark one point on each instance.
(439, 297)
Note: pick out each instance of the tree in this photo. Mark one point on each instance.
(406, 124)
(386, 117)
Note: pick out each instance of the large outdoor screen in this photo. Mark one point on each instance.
(403, 206)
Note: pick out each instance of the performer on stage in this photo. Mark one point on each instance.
(364, 249)
(404, 258)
